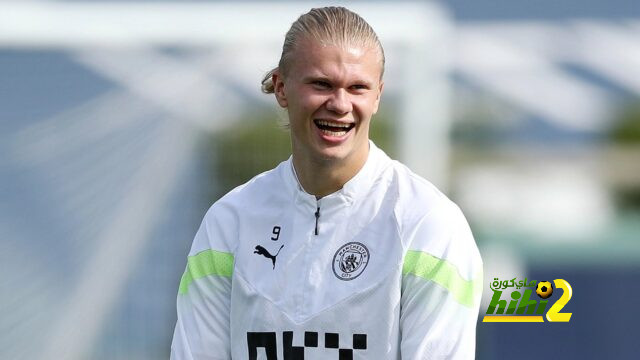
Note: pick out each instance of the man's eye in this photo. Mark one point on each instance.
(359, 87)
(321, 84)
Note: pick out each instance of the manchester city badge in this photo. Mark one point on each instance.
(350, 261)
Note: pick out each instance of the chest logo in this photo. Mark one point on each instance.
(350, 261)
(264, 252)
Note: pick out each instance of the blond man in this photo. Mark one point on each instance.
(339, 252)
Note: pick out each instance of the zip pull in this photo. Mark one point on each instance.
(317, 218)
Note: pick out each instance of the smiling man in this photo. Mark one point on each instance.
(339, 252)
(330, 91)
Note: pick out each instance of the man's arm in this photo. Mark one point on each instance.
(204, 298)
(441, 288)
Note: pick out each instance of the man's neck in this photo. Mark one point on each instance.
(321, 178)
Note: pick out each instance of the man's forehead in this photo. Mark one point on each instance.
(314, 56)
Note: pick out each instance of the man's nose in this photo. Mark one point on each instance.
(339, 102)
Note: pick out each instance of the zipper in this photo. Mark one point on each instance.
(317, 218)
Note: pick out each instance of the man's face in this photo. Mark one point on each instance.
(330, 93)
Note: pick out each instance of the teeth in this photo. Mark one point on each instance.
(334, 133)
(333, 124)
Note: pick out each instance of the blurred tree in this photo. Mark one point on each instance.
(625, 133)
(626, 128)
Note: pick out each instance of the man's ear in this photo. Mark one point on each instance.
(278, 89)
(377, 103)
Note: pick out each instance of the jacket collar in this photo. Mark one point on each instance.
(353, 190)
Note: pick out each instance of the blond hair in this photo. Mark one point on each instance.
(330, 25)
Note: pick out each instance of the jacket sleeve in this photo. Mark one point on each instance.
(202, 329)
(441, 288)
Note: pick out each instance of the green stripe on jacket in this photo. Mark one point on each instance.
(444, 273)
(205, 263)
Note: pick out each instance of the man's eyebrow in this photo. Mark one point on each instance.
(320, 77)
(363, 82)
(314, 77)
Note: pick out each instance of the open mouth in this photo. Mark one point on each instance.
(333, 128)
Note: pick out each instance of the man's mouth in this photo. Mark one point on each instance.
(334, 128)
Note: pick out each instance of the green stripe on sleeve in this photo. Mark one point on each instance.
(208, 262)
(443, 273)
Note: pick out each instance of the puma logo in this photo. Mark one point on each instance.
(262, 251)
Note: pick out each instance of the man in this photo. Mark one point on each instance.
(339, 252)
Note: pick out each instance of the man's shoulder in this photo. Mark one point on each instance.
(259, 191)
(416, 195)
(408, 188)
(220, 225)
(427, 219)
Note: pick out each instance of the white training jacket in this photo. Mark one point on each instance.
(385, 268)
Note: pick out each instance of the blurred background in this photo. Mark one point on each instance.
(122, 122)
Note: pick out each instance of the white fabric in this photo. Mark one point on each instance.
(387, 209)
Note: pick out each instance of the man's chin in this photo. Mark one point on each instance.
(328, 153)
(333, 155)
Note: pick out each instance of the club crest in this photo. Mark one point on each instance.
(350, 261)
